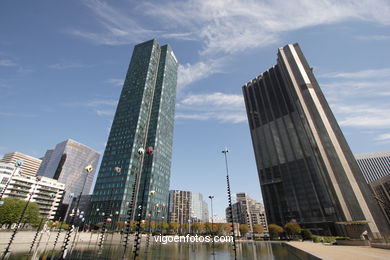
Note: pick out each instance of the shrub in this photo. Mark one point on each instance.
(306, 234)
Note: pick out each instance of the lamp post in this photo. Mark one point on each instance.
(212, 220)
(151, 193)
(20, 219)
(88, 169)
(225, 151)
(18, 164)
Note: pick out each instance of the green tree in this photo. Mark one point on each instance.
(306, 234)
(164, 226)
(12, 209)
(292, 228)
(244, 229)
(275, 230)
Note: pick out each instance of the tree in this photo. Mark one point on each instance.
(227, 228)
(120, 224)
(12, 209)
(258, 229)
(207, 227)
(173, 226)
(164, 226)
(244, 229)
(306, 234)
(274, 230)
(195, 227)
(292, 228)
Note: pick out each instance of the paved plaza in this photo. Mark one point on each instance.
(335, 252)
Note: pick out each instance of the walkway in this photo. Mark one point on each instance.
(334, 252)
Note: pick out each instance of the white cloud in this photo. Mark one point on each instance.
(363, 74)
(101, 102)
(227, 108)
(224, 27)
(7, 63)
(105, 112)
(362, 116)
(70, 65)
(189, 73)
(373, 37)
(115, 82)
(119, 26)
(383, 137)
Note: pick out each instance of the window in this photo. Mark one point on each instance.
(4, 180)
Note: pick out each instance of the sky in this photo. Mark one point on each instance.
(62, 66)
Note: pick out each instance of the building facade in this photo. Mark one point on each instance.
(66, 163)
(374, 166)
(306, 169)
(30, 164)
(381, 188)
(46, 192)
(376, 170)
(179, 207)
(199, 208)
(130, 173)
(247, 211)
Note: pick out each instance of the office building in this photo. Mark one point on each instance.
(30, 164)
(381, 188)
(179, 207)
(66, 163)
(80, 211)
(199, 208)
(137, 158)
(247, 211)
(46, 192)
(374, 165)
(306, 169)
(187, 207)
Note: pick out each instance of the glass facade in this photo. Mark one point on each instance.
(306, 169)
(66, 163)
(144, 118)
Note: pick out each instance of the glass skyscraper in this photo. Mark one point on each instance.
(306, 169)
(66, 163)
(144, 119)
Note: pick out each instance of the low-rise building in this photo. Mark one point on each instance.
(46, 192)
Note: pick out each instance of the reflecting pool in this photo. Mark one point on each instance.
(182, 251)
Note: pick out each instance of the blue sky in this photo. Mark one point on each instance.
(62, 65)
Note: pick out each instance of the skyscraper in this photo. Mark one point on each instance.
(306, 169)
(143, 122)
(66, 163)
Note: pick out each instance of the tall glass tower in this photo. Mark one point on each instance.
(306, 169)
(143, 121)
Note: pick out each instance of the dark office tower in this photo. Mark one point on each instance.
(306, 169)
(144, 118)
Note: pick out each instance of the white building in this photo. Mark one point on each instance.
(46, 192)
(30, 164)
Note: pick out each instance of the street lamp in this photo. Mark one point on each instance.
(212, 220)
(225, 151)
(18, 164)
(88, 169)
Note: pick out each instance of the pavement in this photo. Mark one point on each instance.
(338, 252)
